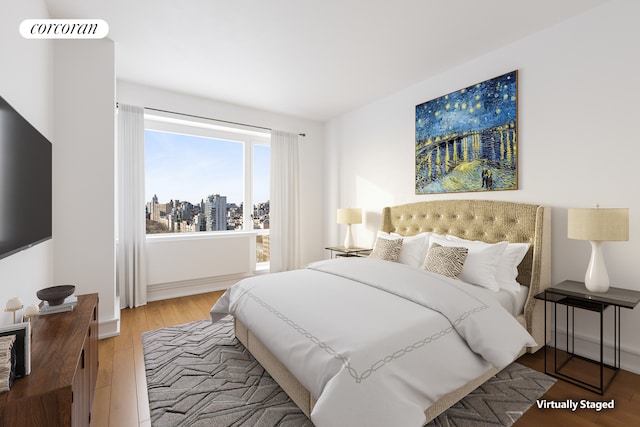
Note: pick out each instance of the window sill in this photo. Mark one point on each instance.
(262, 268)
(200, 235)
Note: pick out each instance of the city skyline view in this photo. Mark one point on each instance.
(190, 168)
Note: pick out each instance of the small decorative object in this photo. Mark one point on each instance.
(13, 305)
(30, 311)
(22, 345)
(68, 305)
(55, 295)
(467, 140)
(349, 216)
(598, 225)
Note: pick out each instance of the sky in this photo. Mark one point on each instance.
(189, 168)
(482, 106)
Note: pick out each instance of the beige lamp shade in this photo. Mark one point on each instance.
(349, 216)
(598, 224)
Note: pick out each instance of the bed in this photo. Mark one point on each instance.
(472, 220)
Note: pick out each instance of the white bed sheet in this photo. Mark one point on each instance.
(512, 301)
(375, 342)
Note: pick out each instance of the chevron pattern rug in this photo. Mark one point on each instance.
(498, 402)
(198, 374)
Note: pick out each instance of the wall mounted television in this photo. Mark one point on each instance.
(25, 183)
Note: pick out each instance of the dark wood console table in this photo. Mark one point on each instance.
(64, 369)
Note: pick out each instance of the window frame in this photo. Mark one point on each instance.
(199, 127)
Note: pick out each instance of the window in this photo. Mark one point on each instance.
(200, 177)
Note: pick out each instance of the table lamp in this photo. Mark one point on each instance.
(349, 216)
(598, 225)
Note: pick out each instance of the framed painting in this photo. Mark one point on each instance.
(467, 140)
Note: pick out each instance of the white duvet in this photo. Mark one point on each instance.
(375, 342)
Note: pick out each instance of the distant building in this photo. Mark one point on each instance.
(199, 222)
(211, 214)
(215, 211)
(159, 211)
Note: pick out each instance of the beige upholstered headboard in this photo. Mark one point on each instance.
(489, 221)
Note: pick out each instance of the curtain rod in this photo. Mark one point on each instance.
(209, 118)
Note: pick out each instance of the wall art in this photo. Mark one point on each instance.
(467, 140)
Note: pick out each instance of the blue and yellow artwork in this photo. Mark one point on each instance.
(467, 140)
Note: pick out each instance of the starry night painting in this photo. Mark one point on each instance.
(467, 140)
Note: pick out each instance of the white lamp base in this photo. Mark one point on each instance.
(348, 239)
(596, 279)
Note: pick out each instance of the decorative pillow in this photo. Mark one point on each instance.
(507, 266)
(445, 260)
(386, 249)
(480, 265)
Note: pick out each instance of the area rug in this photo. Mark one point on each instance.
(498, 402)
(199, 374)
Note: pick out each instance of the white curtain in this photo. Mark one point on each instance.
(131, 265)
(284, 217)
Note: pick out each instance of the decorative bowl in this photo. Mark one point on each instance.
(55, 295)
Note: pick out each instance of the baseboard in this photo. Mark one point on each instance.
(109, 328)
(589, 346)
(162, 291)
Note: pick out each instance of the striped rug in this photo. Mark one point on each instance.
(198, 374)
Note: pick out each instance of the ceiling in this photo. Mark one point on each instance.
(311, 59)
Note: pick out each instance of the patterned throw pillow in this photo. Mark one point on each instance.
(445, 260)
(386, 249)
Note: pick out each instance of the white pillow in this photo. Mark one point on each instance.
(480, 266)
(414, 248)
(507, 267)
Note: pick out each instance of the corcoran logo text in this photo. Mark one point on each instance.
(64, 29)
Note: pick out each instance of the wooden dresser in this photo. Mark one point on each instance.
(64, 369)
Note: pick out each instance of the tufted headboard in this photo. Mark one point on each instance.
(491, 222)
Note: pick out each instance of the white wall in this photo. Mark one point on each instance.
(311, 180)
(26, 83)
(84, 172)
(578, 105)
(180, 265)
(66, 89)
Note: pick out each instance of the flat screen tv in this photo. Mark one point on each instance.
(25, 183)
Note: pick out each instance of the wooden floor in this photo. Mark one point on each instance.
(624, 391)
(121, 392)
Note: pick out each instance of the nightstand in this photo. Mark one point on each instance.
(341, 251)
(566, 364)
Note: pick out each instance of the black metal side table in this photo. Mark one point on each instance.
(341, 251)
(568, 365)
